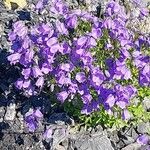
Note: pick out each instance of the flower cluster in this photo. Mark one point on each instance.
(60, 53)
(32, 119)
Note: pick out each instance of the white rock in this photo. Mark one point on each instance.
(11, 112)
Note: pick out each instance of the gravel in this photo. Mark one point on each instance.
(13, 132)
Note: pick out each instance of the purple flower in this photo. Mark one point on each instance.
(32, 119)
(19, 83)
(31, 123)
(96, 33)
(122, 71)
(109, 24)
(48, 133)
(20, 29)
(62, 96)
(143, 139)
(87, 98)
(37, 113)
(40, 82)
(30, 91)
(26, 83)
(112, 7)
(124, 94)
(52, 41)
(36, 71)
(80, 77)
(26, 73)
(61, 28)
(126, 115)
(97, 76)
(39, 5)
(71, 21)
(63, 80)
(111, 100)
(82, 41)
(12, 36)
(59, 8)
(14, 58)
(68, 67)
(144, 12)
(45, 68)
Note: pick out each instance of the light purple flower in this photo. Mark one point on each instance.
(52, 41)
(126, 115)
(40, 82)
(80, 77)
(26, 83)
(61, 28)
(14, 58)
(36, 71)
(26, 73)
(39, 5)
(48, 133)
(68, 67)
(32, 119)
(71, 21)
(62, 96)
(82, 41)
(111, 100)
(37, 113)
(87, 98)
(143, 139)
(31, 123)
(96, 33)
(20, 29)
(19, 83)
(144, 12)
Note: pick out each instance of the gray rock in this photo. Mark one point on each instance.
(143, 127)
(145, 147)
(146, 103)
(128, 140)
(120, 145)
(59, 135)
(60, 119)
(94, 143)
(133, 146)
(131, 132)
(11, 112)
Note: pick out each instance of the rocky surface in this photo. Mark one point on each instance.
(13, 132)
